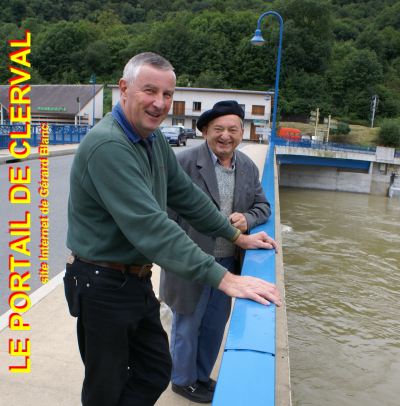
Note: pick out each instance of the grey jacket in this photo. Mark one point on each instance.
(183, 295)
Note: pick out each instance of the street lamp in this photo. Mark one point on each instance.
(93, 81)
(79, 110)
(259, 40)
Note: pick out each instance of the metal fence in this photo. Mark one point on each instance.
(331, 146)
(58, 134)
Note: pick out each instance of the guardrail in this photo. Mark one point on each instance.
(58, 133)
(247, 372)
(331, 146)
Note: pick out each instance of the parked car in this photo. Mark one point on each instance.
(190, 133)
(175, 135)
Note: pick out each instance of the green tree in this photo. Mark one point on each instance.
(346, 29)
(308, 34)
(389, 134)
(62, 48)
(385, 42)
(7, 32)
(389, 101)
(336, 53)
(353, 78)
(210, 79)
(304, 92)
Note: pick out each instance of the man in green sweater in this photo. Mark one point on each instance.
(123, 177)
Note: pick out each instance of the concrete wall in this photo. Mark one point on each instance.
(381, 173)
(326, 178)
(295, 173)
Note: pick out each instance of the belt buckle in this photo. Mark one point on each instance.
(144, 270)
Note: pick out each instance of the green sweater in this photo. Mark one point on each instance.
(117, 206)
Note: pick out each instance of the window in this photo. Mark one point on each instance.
(196, 106)
(243, 106)
(258, 110)
(194, 123)
(179, 108)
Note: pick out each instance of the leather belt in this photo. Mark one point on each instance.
(139, 270)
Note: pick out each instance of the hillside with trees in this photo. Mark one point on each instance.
(336, 54)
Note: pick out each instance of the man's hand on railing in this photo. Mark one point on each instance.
(249, 287)
(257, 240)
(239, 221)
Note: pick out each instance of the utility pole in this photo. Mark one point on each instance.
(329, 126)
(374, 105)
(316, 123)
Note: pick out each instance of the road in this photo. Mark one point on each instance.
(58, 198)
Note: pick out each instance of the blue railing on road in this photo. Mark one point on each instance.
(247, 372)
(58, 134)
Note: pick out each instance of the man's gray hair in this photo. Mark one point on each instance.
(146, 58)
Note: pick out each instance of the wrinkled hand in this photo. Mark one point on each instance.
(257, 240)
(239, 221)
(249, 287)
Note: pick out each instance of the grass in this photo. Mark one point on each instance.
(359, 134)
(363, 135)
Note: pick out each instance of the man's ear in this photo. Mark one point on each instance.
(123, 86)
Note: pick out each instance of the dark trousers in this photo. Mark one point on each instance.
(121, 340)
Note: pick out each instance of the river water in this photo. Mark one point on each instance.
(342, 275)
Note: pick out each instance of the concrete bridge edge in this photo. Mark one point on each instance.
(282, 363)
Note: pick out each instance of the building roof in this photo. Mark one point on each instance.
(55, 99)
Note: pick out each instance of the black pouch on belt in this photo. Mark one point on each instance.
(72, 291)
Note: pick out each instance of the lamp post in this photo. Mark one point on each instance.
(93, 81)
(79, 110)
(259, 40)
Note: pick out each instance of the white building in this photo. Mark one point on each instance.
(189, 103)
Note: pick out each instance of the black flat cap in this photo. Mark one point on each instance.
(222, 108)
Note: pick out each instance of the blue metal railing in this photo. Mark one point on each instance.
(331, 146)
(247, 372)
(58, 134)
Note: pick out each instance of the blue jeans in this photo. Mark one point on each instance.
(196, 338)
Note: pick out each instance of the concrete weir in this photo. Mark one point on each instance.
(344, 171)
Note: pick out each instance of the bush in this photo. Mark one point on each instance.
(342, 129)
(389, 134)
(340, 134)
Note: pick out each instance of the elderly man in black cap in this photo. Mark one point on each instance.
(200, 312)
